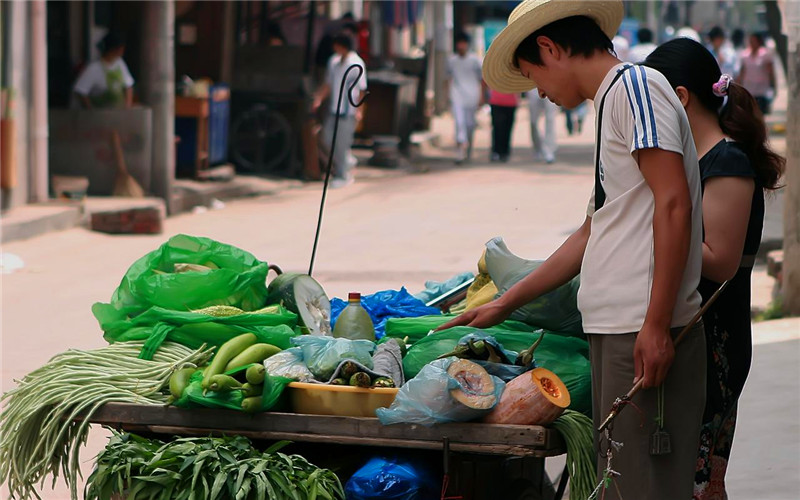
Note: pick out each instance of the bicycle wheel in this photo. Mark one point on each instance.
(261, 139)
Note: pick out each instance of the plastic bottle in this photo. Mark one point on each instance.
(354, 321)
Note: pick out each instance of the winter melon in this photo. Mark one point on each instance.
(301, 294)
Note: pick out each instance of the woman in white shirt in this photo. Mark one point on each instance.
(107, 82)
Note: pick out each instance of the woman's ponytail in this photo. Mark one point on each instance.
(742, 120)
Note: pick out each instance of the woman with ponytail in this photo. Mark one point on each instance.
(737, 167)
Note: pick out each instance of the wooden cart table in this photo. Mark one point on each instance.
(529, 443)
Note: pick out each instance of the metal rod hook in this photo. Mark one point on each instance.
(333, 147)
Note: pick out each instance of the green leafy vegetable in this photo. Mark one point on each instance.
(225, 468)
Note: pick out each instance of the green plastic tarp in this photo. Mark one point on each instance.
(417, 328)
(157, 325)
(154, 303)
(239, 281)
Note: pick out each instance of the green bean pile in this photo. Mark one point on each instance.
(40, 435)
(205, 468)
(578, 430)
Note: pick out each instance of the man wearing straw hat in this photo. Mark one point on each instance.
(639, 249)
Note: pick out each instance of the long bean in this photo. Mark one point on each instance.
(40, 432)
(577, 430)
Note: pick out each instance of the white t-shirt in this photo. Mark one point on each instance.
(336, 70)
(98, 77)
(641, 111)
(465, 79)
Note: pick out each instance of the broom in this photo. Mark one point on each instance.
(124, 183)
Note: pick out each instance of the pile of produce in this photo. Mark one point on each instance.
(195, 291)
(235, 379)
(40, 433)
(205, 468)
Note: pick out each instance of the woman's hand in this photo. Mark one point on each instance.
(487, 315)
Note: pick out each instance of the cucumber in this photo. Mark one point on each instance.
(249, 390)
(301, 294)
(383, 382)
(227, 352)
(360, 379)
(179, 380)
(255, 374)
(223, 383)
(252, 404)
(254, 354)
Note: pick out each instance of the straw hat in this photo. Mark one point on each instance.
(531, 15)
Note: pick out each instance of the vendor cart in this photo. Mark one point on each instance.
(481, 461)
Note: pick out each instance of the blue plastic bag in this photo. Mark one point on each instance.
(384, 305)
(426, 399)
(393, 479)
(323, 354)
(434, 289)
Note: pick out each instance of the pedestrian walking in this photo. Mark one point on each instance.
(643, 47)
(737, 167)
(343, 58)
(466, 93)
(639, 249)
(544, 145)
(757, 74)
(575, 117)
(723, 51)
(504, 107)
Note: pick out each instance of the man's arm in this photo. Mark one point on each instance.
(559, 268)
(672, 225)
(322, 94)
(84, 100)
(772, 83)
(129, 97)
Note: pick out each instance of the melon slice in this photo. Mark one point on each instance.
(536, 397)
(475, 386)
(301, 294)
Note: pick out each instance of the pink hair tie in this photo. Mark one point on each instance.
(720, 88)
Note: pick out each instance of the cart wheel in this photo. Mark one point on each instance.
(261, 139)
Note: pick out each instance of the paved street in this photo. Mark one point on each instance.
(387, 230)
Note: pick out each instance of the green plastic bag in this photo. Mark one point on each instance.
(239, 281)
(157, 325)
(567, 357)
(194, 396)
(417, 328)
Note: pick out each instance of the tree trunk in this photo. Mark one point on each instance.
(774, 27)
(791, 222)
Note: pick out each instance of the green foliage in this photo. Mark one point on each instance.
(773, 311)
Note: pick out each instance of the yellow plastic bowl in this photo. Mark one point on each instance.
(343, 400)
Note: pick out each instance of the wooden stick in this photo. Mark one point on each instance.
(617, 407)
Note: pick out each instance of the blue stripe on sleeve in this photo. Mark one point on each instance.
(635, 81)
(633, 113)
(653, 133)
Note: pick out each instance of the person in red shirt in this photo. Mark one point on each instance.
(504, 107)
